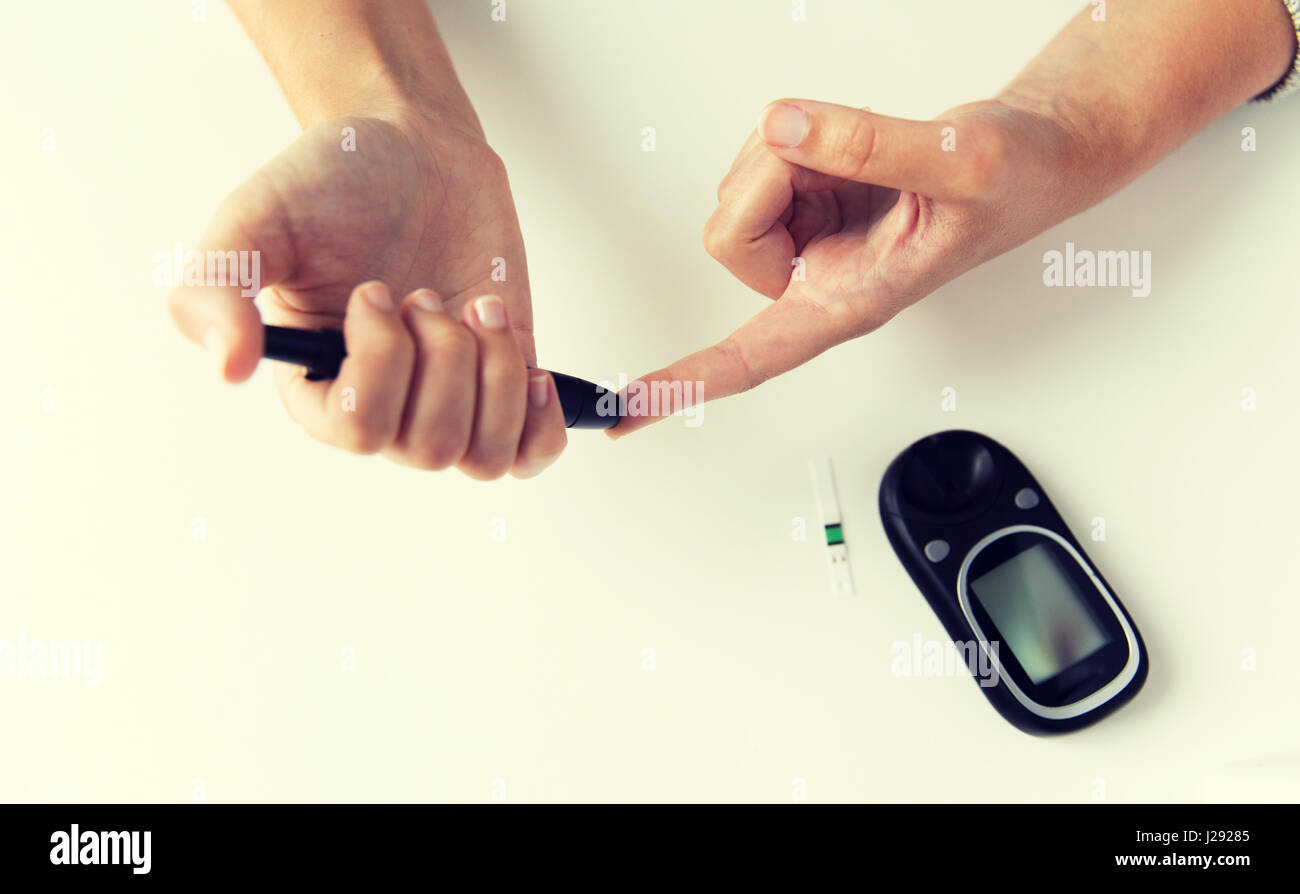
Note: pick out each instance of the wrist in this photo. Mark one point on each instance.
(420, 116)
(1133, 86)
(359, 58)
(1091, 164)
(401, 98)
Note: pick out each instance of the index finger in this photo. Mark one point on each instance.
(786, 334)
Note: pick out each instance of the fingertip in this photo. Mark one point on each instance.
(421, 308)
(486, 313)
(426, 300)
(235, 351)
(381, 346)
(229, 328)
(629, 424)
(239, 363)
(371, 312)
(544, 436)
(784, 124)
(214, 342)
(630, 421)
(376, 296)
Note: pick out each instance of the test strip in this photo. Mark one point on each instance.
(837, 550)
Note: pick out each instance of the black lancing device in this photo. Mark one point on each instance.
(321, 351)
(992, 556)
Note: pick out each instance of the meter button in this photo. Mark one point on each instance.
(937, 550)
(1026, 498)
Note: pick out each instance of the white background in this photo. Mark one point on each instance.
(515, 669)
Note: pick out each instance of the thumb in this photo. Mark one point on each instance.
(213, 304)
(914, 156)
(789, 332)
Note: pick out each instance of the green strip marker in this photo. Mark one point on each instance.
(837, 551)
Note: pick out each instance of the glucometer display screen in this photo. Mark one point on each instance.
(1040, 613)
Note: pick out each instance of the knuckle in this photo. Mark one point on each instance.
(543, 451)
(494, 164)
(532, 467)
(709, 239)
(725, 185)
(987, 159)
(733, 358)
(856, 146)
(506, 377)
(434, 454)
(716, 241)
(550, 452)
(360, 441)
(366, 434)
(486, 466)
(442, 338)
(453, 342)
(387, 340)
(398, 347)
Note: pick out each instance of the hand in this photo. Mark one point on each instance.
(844, 218)
(437, 379)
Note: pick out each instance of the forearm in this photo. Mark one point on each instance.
(347, 57)
(1133, 87)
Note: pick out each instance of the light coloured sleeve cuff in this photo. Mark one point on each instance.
(1290, 83)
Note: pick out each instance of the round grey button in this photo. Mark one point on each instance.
(1026, 498)
(937, 550)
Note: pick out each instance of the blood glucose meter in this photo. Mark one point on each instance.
(1004, 574)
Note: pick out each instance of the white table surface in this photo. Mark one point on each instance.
(518, 669)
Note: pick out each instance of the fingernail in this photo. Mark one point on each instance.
(377, 294)
(539, 391)
(427, 299)
(491, 312)
(783, 125)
